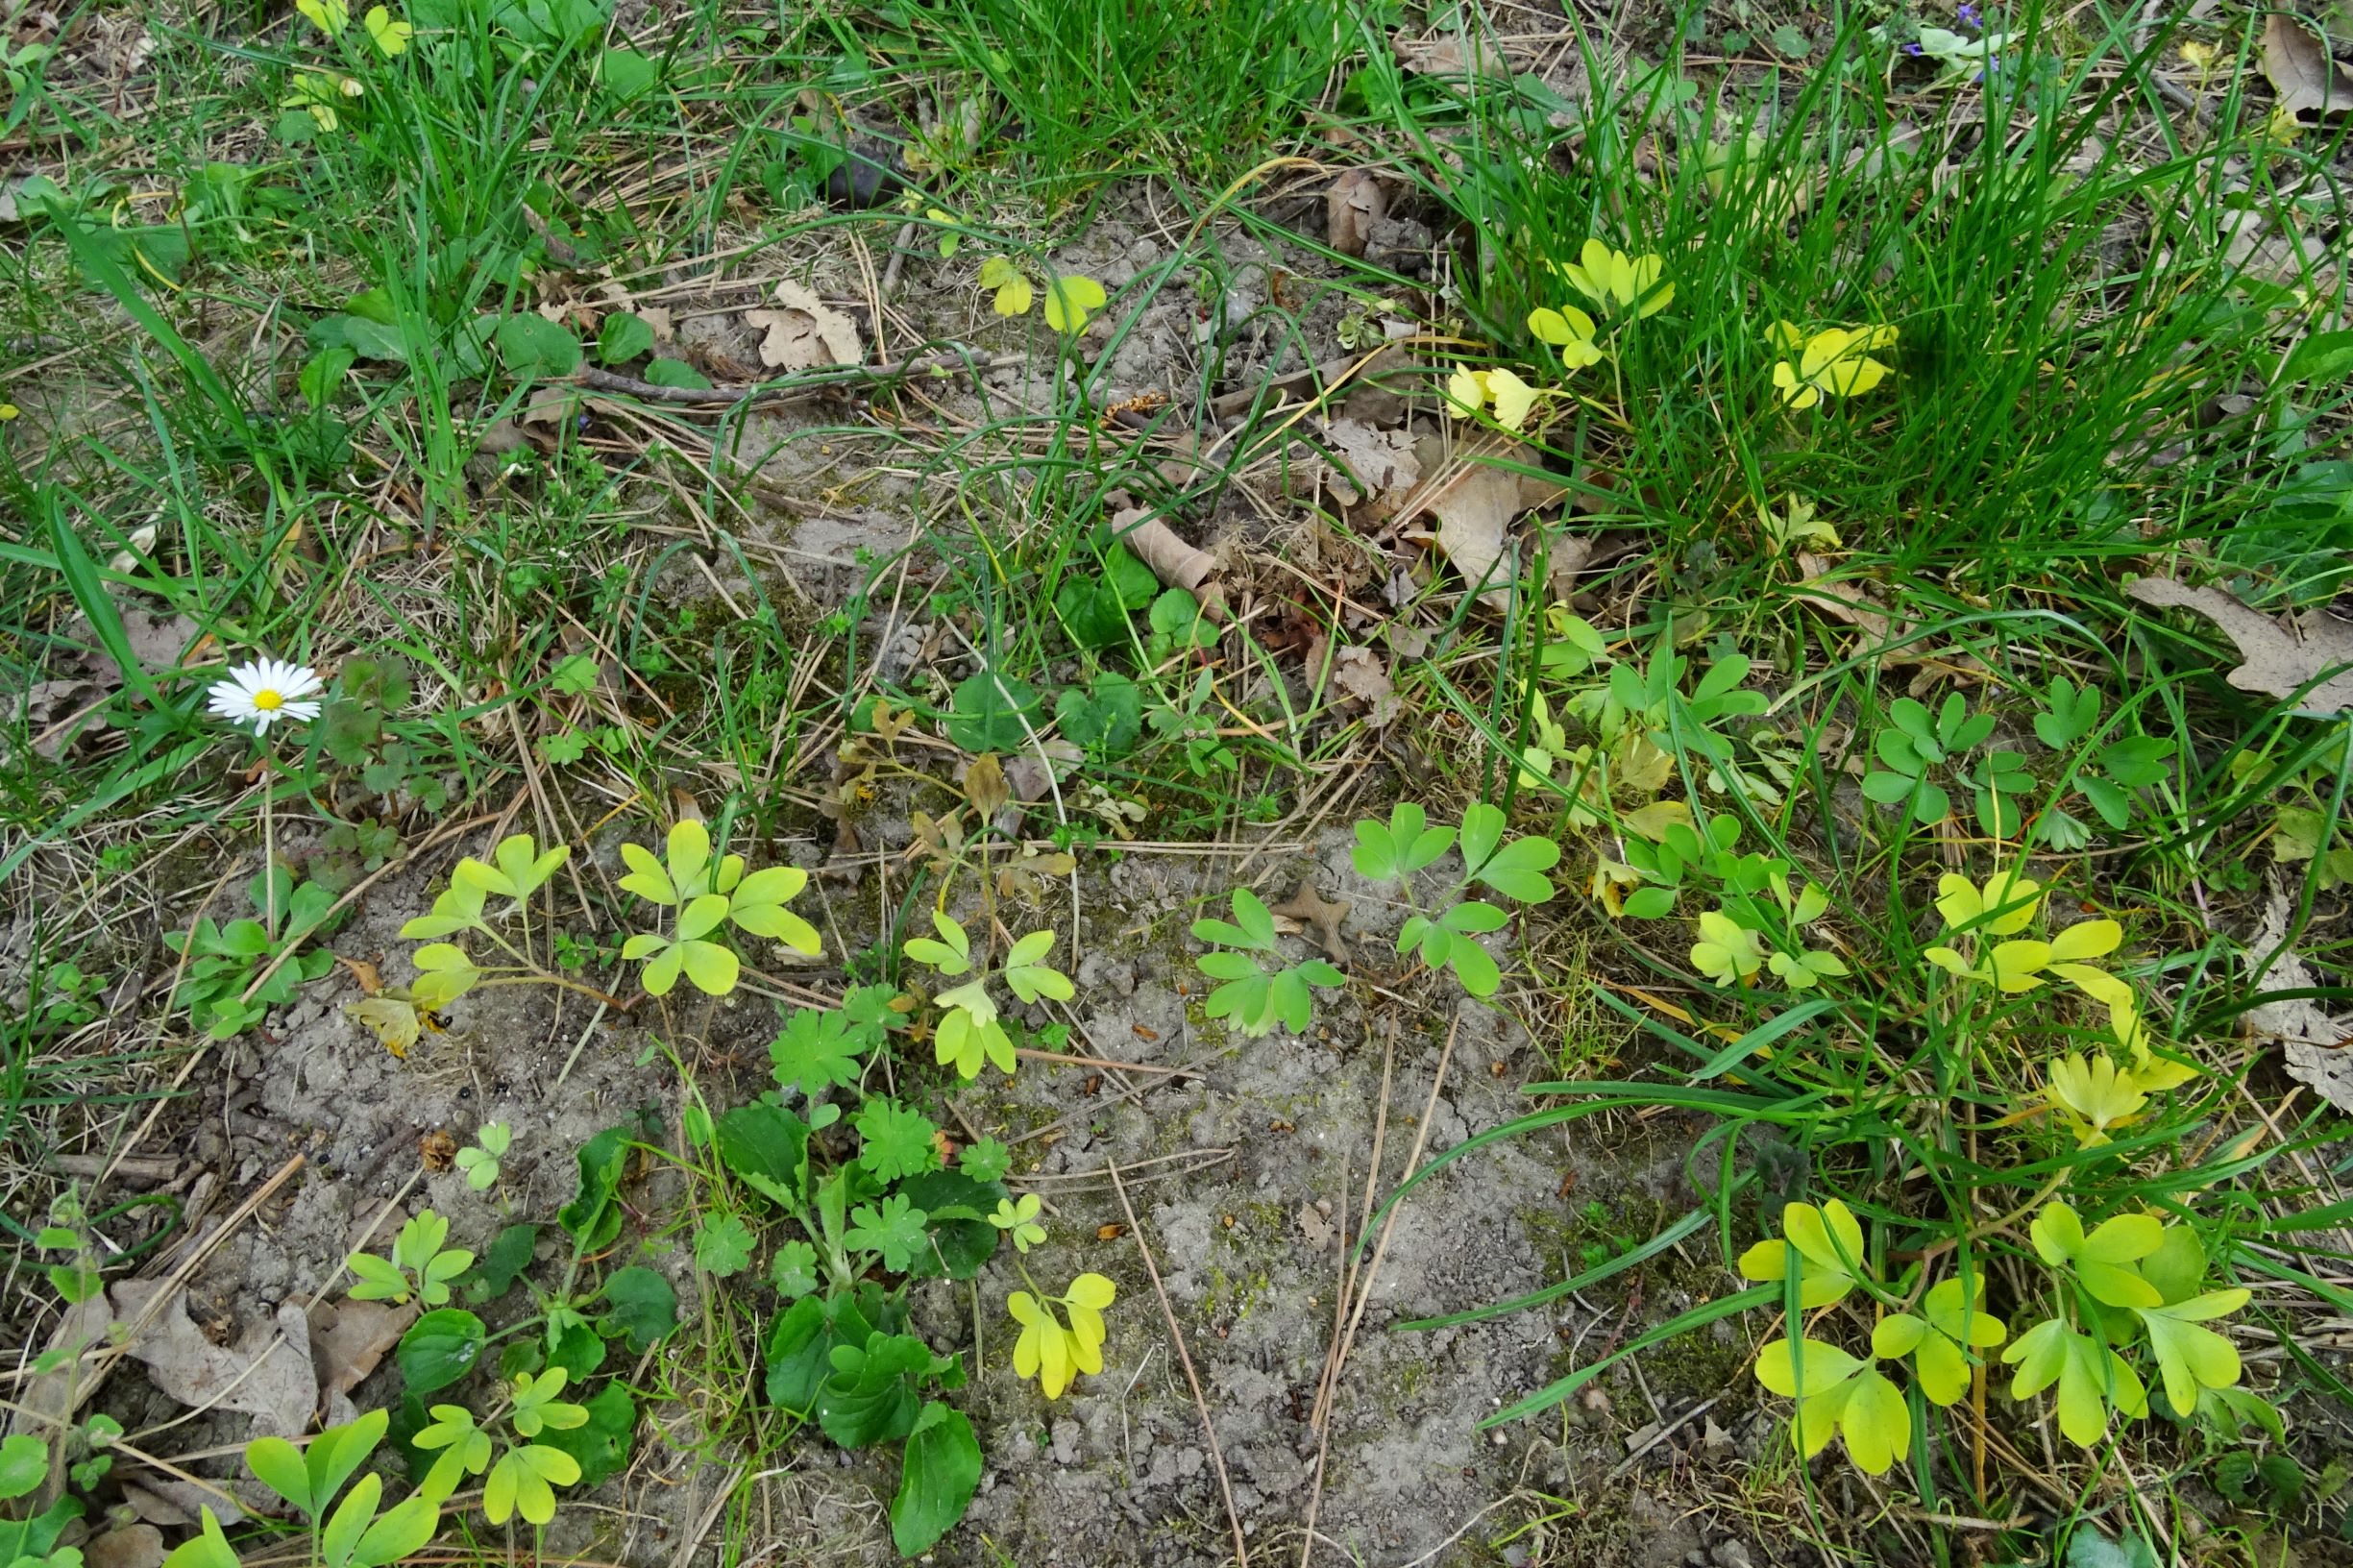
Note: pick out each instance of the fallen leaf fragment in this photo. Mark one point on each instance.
(2309, 84)
(1451, 55)
(1353, 205)
(1375, 466)
(1176, 563)
(266, 1373)
(2309, 660)
(1319, 915)
(133, 1546)
(350, 1337)
(1364, 675)
(2314, 1043)
(804, 333)
(1474, 508)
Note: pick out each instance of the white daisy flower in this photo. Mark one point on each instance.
(266, 690)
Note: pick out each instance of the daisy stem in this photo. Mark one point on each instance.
(269, 850)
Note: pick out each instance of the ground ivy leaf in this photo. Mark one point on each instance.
(815, 1051)
(723, 1246)
(895, 1141)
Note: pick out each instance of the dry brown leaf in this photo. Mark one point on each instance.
(2311, 85)
(2314, 1043)
(1319, 915)
(133, 1546)
(805, 334)
(1844, 599)
(2278, 660)
(1176, 563)
(365, 975)
(1476, 508)
(1353, 205)
(266, 1373)
(1364, 675)
(984, 785)
(1375, 466)
(349, 1339)
(1451, 55)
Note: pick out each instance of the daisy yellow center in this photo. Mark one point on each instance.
(268, 701)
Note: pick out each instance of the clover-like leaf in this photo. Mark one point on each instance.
(459, 908)
(1404, 846)
(757, 905)
(1728, 952)
(1826, 1247)
(1838, 1393)
(1029, 976)
(951, 954)
(523, 1482)
(2091, 1378)
(2102, 1260)
(1253, 926)
(2190, 1357)
(444, 974)
(1950, 1324)
(893, 1229)
(1068, 300)
(1514, 869)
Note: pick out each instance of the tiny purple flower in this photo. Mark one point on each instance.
(1971, 15)
(1912, 49)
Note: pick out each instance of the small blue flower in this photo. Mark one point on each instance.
(1971, 15)
(1913, 50)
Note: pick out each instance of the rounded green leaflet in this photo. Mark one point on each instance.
(700, 915)
(1827, 1244)
(2102, 1260)
(662, 973)
(24, 1464)
(2192, 1358)
(689, 853)
(711, 966)
(1935, 1339)
(647, 878)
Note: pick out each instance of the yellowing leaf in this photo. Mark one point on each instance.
(330, 16)
(1012, 289)
(1068, 299)
(391, 36)
(392, 1020)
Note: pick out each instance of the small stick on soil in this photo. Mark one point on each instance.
(810, 384)
(1340, 1319)
(1322, 1408)
(1096, 1061)
(1372, 1270)
(1209, 1433)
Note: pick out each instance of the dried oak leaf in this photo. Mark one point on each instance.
(804, 333)
(1319, 915)
(1475, 509)
(1353, 205)
(266, 1372)
(1363, 674)
(1374, 466)
(2309, 84)
(2315, 1045)
(350, 1339)
(2309, 660)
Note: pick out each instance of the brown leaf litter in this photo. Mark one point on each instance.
(2308, 657)
(2311, 85)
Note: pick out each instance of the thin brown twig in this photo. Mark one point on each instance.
(1209, 1433)
(808, 384)
(1372, 1270)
